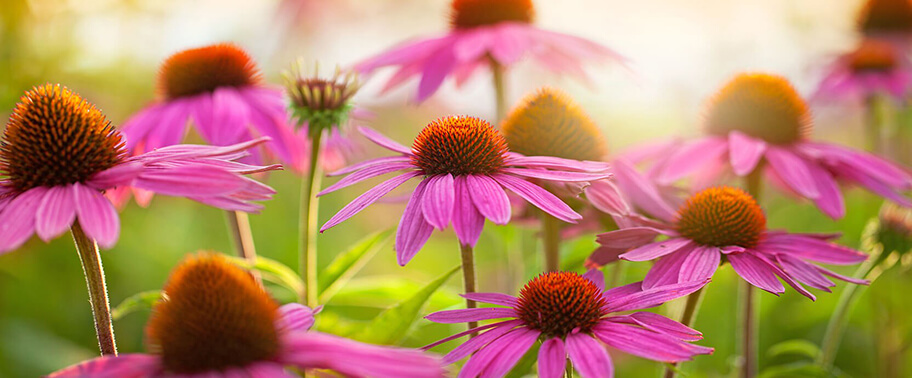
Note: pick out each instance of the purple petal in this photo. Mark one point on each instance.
(364, 174)
(97, 215)
(387, 160)
(539, 197)
(471, 315)
(187, 181)
(121, 366)
(413, 230)
(473, 344)
(552, 358)
(647, 344)
(655, 250)
(642, 193)
(369, 197)
(295, 317)
(56, 212)
(651, 297)
(804, 272)
(786, 277)
(17, 220)
(755, 271)
(811, 248)
(667, 269)
(700, 264)
(492, 298)
(511, 323)
(501, 364)
(794, 170)
(559, 176)
(467, 221)
(510, 344)
(596, 277)
(314, 350)
(661, 324)
(629, 237)
(857, 281)
(435, 69)
(744, 152)
(383, 141)
(489, 198)
(606, 197)
(830, 199)
(692, 157)
(438, 201)
(588, 356)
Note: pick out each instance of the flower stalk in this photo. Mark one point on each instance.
(500, 90)
(749, 321)
(687, 318)
(98, 291)
(308, 223)
(239, 227)
(551, 239)
(468, 277)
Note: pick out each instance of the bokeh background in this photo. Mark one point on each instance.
(680, 52)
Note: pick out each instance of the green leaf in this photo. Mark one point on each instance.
(273, 271)
(348, 263)
(795, 347)
(139, 301)
(392, 325)
(805, 369)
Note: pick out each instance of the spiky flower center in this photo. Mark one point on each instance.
(318, 102)
(215, 317)
(873, 56)
(550, 123)
(201, 70)
(556, 303)
(459, 145)
(886, 16)
(760, 105)
(54, 137)
(722, 216)
(474, 13)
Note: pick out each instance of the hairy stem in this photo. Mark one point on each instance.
(468, 277)
(551, 239)
(239, 227)
(98, 291)
(500, 91)
(308, 223)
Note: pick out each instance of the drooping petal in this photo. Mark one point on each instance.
(489, 198)
(96, 215)
(692, 157)
(629, 237)
(596, 277)
(667, 269)
(492, 298)
(794, 170)
(383, 141)
(804, 272)
(266, 370)
(367, 198)
(413, 230)
(121, 366)
(55, 213)
(510, 344)
(641, 192)
(501, 364)
(830, 200)
(471, 315)
(588, 356)
(314, 350)
(755, 271)
(539, 197)
(651, 297)
(700, 264)
(656, 249)
(473, 344)
(811, 248)
(436, 68)
(467, 221)
(659, 323)
(605, 196)
(552, 358)
(438, 201)
(558, 176)
(17, 220)
(744, 152)
(364, 174)
(647, 344)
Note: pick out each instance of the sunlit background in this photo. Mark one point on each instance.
(679, 52)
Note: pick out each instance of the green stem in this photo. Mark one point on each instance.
(468, 277)
(239, 227)
(874, 120)
(551, 240)
(749, 321)
(840, 316)
(308, 223)
(98, 291)
(500, 91)
(687, 318)
(568, 373)
(616, 274)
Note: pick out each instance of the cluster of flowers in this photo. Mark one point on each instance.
(64, 166)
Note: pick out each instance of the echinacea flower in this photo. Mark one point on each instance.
(886, 19)
(759, 122)
(215, 321)
(573, 316)
(874, 68)
(464, 167)
(725, 224)
(894, 229)
(486, 33)
(219, 90)
(59, 154)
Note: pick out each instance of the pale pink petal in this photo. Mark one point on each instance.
(489, 198)
(295, 317)
(492, 298)
(467, 221)
(122, 366)
(406, 52)
(691, 157)
(510, 43)
(189, 181)
(794, 170)
(552, 358)
(116, 176)
(605, 196)
(383, 141)
(55, 213)
(96, 215)
(755, 271)
(367, 198)
(830, 200)
(370, 163)
(589, 357)
(364, 174)
(471, 315)
(550, 162)
(17, 220)
(744, 152)
(655, 250)
(700, 264)
(314, 350)
(641, 192)
(539, 197)
(436, 68)
(413, 230)
(645, 298)
(439, 200)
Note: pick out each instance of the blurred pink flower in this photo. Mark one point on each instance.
(486, 32)
(59, 155)
(873, 68)
(572, 314)
(464, 167)
(759, 122)
(726, 223)
(239, 331)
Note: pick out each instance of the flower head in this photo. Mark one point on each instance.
(725, 224)
(486, 33)
(550, 123)
(464, 167)
(758, 122)
(215, 321)
(875, 67)
(880, 17)
(894, 230)
(321, 103)
(573, 315)
(205, 69)
(59, 155)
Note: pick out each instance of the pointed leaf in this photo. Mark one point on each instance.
(273, 271)
(348, 263)
(143, 300)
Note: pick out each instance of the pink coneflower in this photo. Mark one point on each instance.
(759, 122)
(219, 89)
(216, 321)
(725, 224)
(572, 315)
(873, 68)
(59, 155)
(464, 167)
(890, 20)
(486, 33)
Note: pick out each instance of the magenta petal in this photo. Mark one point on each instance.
(659, 323)
(744, 152)
(314, 350)
(438, 201)
(188, 181)
(606, 197)
(413, 230)
(476, 330)
(700, 264)
(17, 220)
(667, 269)
(787, 278)
(651, 297)
(266, 370)
(435, 69)
(645, 343)
(364, 174)
(794, 170)
(756, 271)
(55, 213)
(121, 366)
(830, 200)
(552, 358)
(367, 198)
(473, 344)
(630, 237)
(804, 272)
(97, 215)
(596, 277)
(517, 341)
(588, 356)
(467, 221)
(383, 141)
(857, 281)
(471, 315)
(811, 248)
(489, 198)
(501, 364)
(492, 298)
(692, 157)
(655, 250)
(387, 160)
(558, 176)
(295, 317)
(539, 197)
(642, 192)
